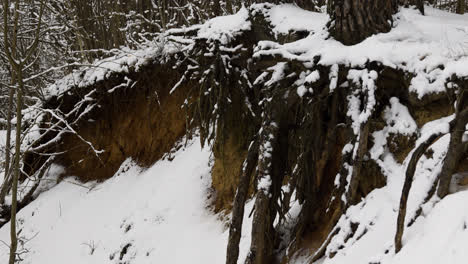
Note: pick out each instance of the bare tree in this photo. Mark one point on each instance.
(19, 60)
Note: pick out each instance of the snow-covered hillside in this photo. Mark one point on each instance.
(161, 215)
(157, 215)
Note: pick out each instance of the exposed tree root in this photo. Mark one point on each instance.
(455, 152)
(407, 186)
(263, 233)
(358, 163)
(235, 229)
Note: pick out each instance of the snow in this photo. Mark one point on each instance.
(313, 77)
(365, 81)
(440, 236)
(122, 62)
(399, 121)
(264, 184)
(433, 47)
(440, 228)
(333, 76)
(162, 212)
(278, 73)
(225, 28)
(288, 17)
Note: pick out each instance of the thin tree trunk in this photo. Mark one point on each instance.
(6, 180)
(14, 191)
(162, 13)
(261, 231)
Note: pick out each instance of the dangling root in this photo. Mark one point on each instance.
(235, 229)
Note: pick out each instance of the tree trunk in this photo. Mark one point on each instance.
(14, 188)
(352, 21)
(7, 174)
(461, 6)
(162, 13)
(216, 8)
(261, 245)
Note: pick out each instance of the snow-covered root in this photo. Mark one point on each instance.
(457, 149)
(407, 186)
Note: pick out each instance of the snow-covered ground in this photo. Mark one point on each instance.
(161, 215)
(158, 215)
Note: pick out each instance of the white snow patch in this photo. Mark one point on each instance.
(288, 17)
(224, 28)
(161, 212)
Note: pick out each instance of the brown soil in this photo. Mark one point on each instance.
(142, 122)
(225, 174)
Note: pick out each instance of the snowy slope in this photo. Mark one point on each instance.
(160, 212)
